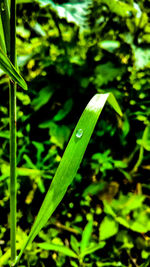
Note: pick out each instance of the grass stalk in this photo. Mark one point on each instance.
(12, 101)
(12, 95)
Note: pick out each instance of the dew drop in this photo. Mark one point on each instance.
(79, 133)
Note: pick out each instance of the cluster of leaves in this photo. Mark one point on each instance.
(69, 51)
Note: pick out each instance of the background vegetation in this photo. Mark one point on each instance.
(68, 51)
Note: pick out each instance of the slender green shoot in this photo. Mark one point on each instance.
(144, 144)
(5, 15)
(2, 39)
(12, 95)
(12, 101)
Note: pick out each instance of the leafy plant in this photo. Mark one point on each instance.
(79, 249)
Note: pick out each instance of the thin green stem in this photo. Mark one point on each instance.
(13, 170)
(12, 101)
(13, 32)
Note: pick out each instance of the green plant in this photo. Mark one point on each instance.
(78, 249)
(73, 154)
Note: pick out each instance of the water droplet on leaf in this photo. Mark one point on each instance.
(79, 133)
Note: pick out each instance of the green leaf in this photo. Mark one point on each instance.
(127, 203)
(93, 248)
(43, 97)
(107, 72)
(109, 45)
(74, 244)
(141, 57)
(62, 113)
(122, 221)
(138, 227)
(94, 188)
(24, 1)
(40, 150)
(119, 8)
(59, 134)
(86, 235)
(5, 16)
(71, 160)
(8, 68)
(108, 228)
(58, 248)
(2, 39)
(112, 264)
(108, 209)
(73, 12)
(145, 142)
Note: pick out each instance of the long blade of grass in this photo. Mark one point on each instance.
(2, 39)
(8, 68)
(13, 130)
(71, 160)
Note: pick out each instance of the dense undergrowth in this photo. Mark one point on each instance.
(67, 52)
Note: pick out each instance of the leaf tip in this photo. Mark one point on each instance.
(24, 85)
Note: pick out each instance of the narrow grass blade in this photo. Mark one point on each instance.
(5, 15)
(8, 68)
(70, 162)
(2, 40)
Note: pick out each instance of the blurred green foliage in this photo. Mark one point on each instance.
(67, 51)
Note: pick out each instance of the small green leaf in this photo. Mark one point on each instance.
(59, 134)
(94, 188)
(86, 236)
(108, 209)
(5, 16)
(112, 264)
(74, 244)
(58, 248)
(146, 138)
(112, 101)
(110, 45)
(107, 72)
(122, 221)
(108, 228)
(93, 248)
(138, 227)
(70, 162)
(8, 68)
(141, 57)
(119, 8)
(40, 150)
(24, 1)
(62, 113)
(2, 39)
(42, 98)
